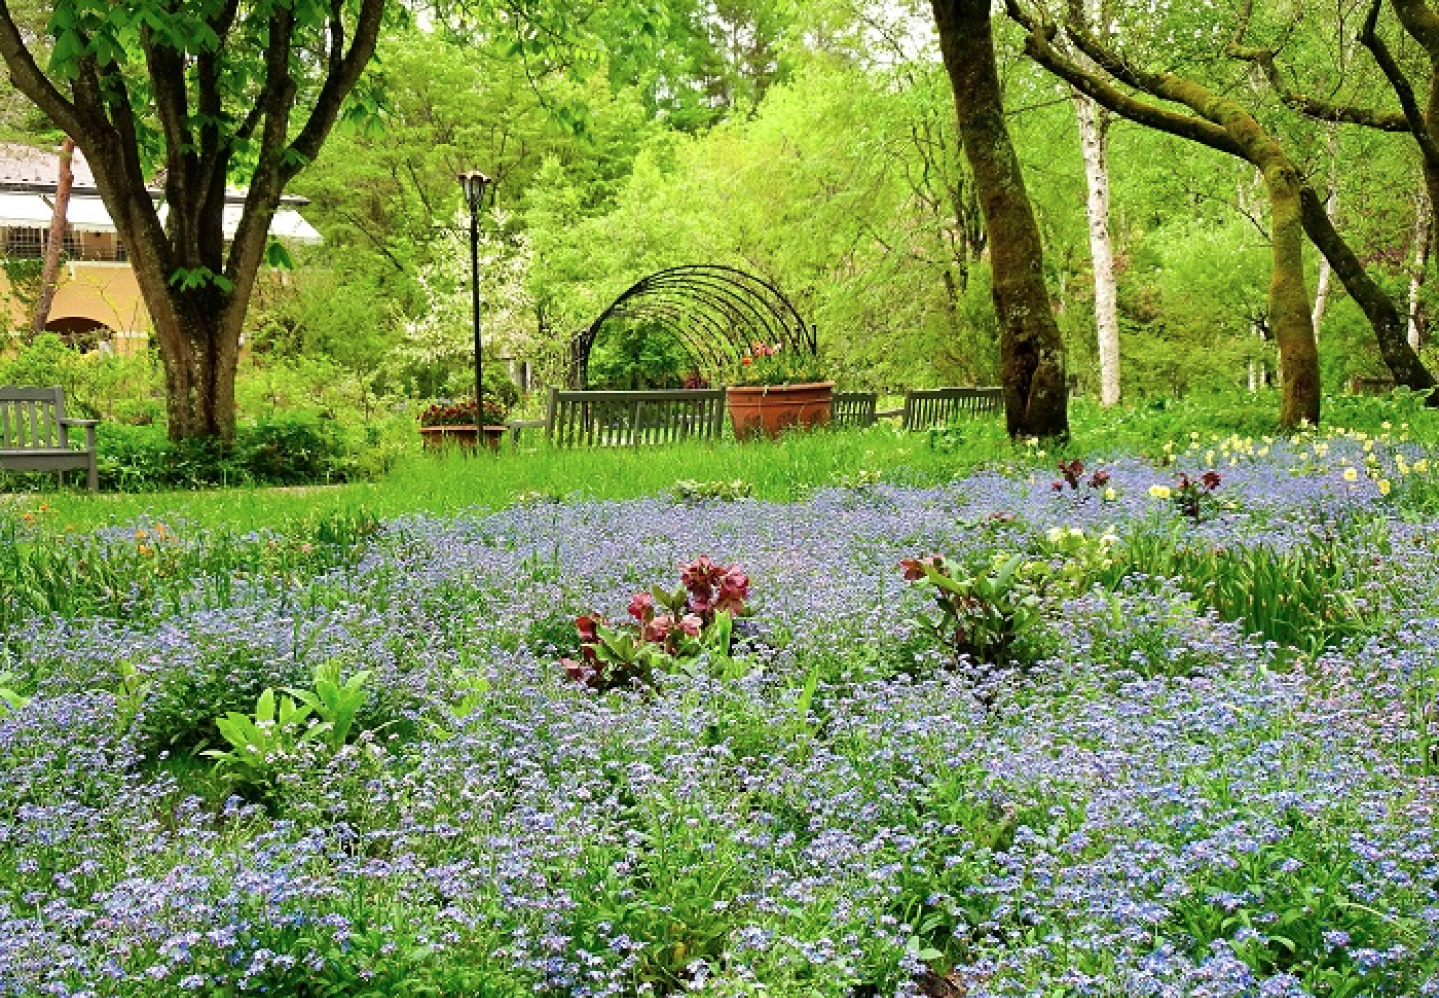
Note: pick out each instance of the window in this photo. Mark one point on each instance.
(24, 243)
(74, 245)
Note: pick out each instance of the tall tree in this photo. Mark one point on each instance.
(59, 219)
(1031, 351)
(1419, 21)
(1222, 123)
(215, 92)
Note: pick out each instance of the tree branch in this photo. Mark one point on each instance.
(337, 86)
(1310, 107)
(1369, 38)
(1039, 45)
(31, 81)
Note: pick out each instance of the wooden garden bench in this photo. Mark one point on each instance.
(928, 407)
(35, 434)
(854, 409)
(629, 419)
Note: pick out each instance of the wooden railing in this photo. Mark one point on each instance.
(928, 407)
(854, 409)
(630, 419)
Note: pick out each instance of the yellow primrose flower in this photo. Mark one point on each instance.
(1110, 494)
(1421, 466)
(1350, 475)
(1384, 486)
(1160, 491)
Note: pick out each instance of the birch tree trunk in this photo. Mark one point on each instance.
(59, 215)
(1423, 214)
(1331, 209)
(1094, 144)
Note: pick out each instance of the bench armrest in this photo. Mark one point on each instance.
(78, 422)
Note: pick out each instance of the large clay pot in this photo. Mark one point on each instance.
(771, 409)
(466, 437)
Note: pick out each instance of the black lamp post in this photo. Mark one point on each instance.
(473, 183)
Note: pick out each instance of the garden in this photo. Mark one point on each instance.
(854, 713)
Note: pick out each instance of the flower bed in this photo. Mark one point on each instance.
(1143, 800)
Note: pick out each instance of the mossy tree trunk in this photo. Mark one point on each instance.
(1031, 351)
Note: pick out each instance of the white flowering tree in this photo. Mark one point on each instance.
(441, 338)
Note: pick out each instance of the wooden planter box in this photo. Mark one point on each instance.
(464, 437)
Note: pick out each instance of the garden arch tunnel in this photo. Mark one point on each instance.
(715, 312)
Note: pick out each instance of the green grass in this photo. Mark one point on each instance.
(781, 470)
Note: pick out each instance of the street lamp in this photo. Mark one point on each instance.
(473, 183)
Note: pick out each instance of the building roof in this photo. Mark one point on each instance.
(22, 164)
(27, 184)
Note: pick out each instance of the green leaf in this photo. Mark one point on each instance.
(277, 256)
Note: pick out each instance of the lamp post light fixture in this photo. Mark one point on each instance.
(473, 183)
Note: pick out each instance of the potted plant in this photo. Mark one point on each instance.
(778, 389)
(456, 423)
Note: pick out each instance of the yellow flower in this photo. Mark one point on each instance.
(1160, 491)
(1110, 494)
(1350, 475)
(1421, 466)
(1384, 486)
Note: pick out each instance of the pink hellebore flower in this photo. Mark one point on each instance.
(658, 628)
(587, 624)
(691, 625)
(642, 606)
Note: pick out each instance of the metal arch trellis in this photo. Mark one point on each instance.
(714, 311)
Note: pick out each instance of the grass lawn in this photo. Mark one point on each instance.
(1139, 730)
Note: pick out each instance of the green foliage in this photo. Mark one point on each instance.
(154, 570)
(638, 356)
(333, 702)
(989, 616)
(10, 700)
(688, 490)
(1299, 597)
(262, 743)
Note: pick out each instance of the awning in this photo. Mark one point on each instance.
(88, 214)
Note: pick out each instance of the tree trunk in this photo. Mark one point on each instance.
(1379, 309)
(1423, 218)
(1031, 351)
(1331, 208)
(59, 214)
(1289, 315)
(1094, 144)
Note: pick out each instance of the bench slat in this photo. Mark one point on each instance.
(34, 433)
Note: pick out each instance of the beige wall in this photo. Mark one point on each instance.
(104, 293)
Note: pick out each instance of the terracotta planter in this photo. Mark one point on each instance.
(465, 437)
(772, 409)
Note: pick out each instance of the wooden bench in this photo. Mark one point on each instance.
(854, 409)
(35, 434)
(629, 419)
(929, 407)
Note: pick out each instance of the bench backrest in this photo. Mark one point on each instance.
(30, 418)
(854, 409)
(619, 419)
(927, 407)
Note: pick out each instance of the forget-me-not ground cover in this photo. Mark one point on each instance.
(1157, 803)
